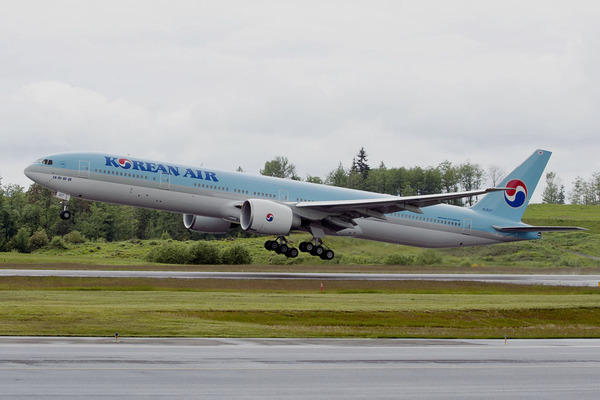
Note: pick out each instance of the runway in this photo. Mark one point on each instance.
(556, 280)
(33, 368)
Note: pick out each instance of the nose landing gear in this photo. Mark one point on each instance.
(65, 214)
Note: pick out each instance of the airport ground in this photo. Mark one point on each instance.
(264, 338)
(286, 338)
(98, 368)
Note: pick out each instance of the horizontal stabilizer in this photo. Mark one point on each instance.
(525, 228)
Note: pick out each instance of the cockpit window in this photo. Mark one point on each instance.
(45, 161)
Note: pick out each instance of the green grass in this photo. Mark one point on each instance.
(565, 252)
(257, 308)
(564, 215)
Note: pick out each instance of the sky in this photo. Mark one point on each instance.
(231, 84)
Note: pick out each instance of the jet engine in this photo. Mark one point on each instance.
(268, 218)
(205, 224)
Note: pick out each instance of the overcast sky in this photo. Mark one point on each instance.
(236, 83)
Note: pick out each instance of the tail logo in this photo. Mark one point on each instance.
(269, 217)
(517, 194)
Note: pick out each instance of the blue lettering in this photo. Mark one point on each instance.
(110, 162)
(211, 176)
(190, 173)
(151, 167)
(173, 170)
(160, 167)
(139, 166)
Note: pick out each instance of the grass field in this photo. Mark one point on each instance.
(576, 251)
(278, 308)
(561, 251)
(266, 308)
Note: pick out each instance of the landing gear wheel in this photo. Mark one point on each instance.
(292, 253)
(271, 245)
(65, 214)
(308, 247)
(317, 251)
(283, 249)
(327, 255)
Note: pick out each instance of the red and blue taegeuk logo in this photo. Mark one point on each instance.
(125, 163)
(517, 194)
(269, 217)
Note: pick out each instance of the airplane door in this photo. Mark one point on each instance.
(84, 169)
(467, 223)
(165, 181)
(284, 195)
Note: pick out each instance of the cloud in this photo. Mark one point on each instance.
(234, 83)
(78, 104)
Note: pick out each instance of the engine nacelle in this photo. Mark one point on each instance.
(268, 218)
(205, 224)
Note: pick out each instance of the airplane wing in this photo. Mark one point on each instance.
(378, 207)
(517, 229)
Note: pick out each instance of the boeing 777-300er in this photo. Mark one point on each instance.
(212, 200)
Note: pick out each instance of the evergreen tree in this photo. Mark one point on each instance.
(361, 164)
(359, 171)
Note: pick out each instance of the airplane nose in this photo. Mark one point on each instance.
(28, 172)
(32, 173)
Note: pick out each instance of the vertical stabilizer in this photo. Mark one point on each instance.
(522, 181)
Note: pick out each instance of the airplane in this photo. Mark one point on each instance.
(212, 201)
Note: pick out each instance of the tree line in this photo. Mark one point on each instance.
(30, 218)
(443, 178)
(446, 177)
(583, 192)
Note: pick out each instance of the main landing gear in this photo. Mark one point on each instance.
(281, 246)
(314, 248)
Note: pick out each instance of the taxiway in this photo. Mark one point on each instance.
(34, 368)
